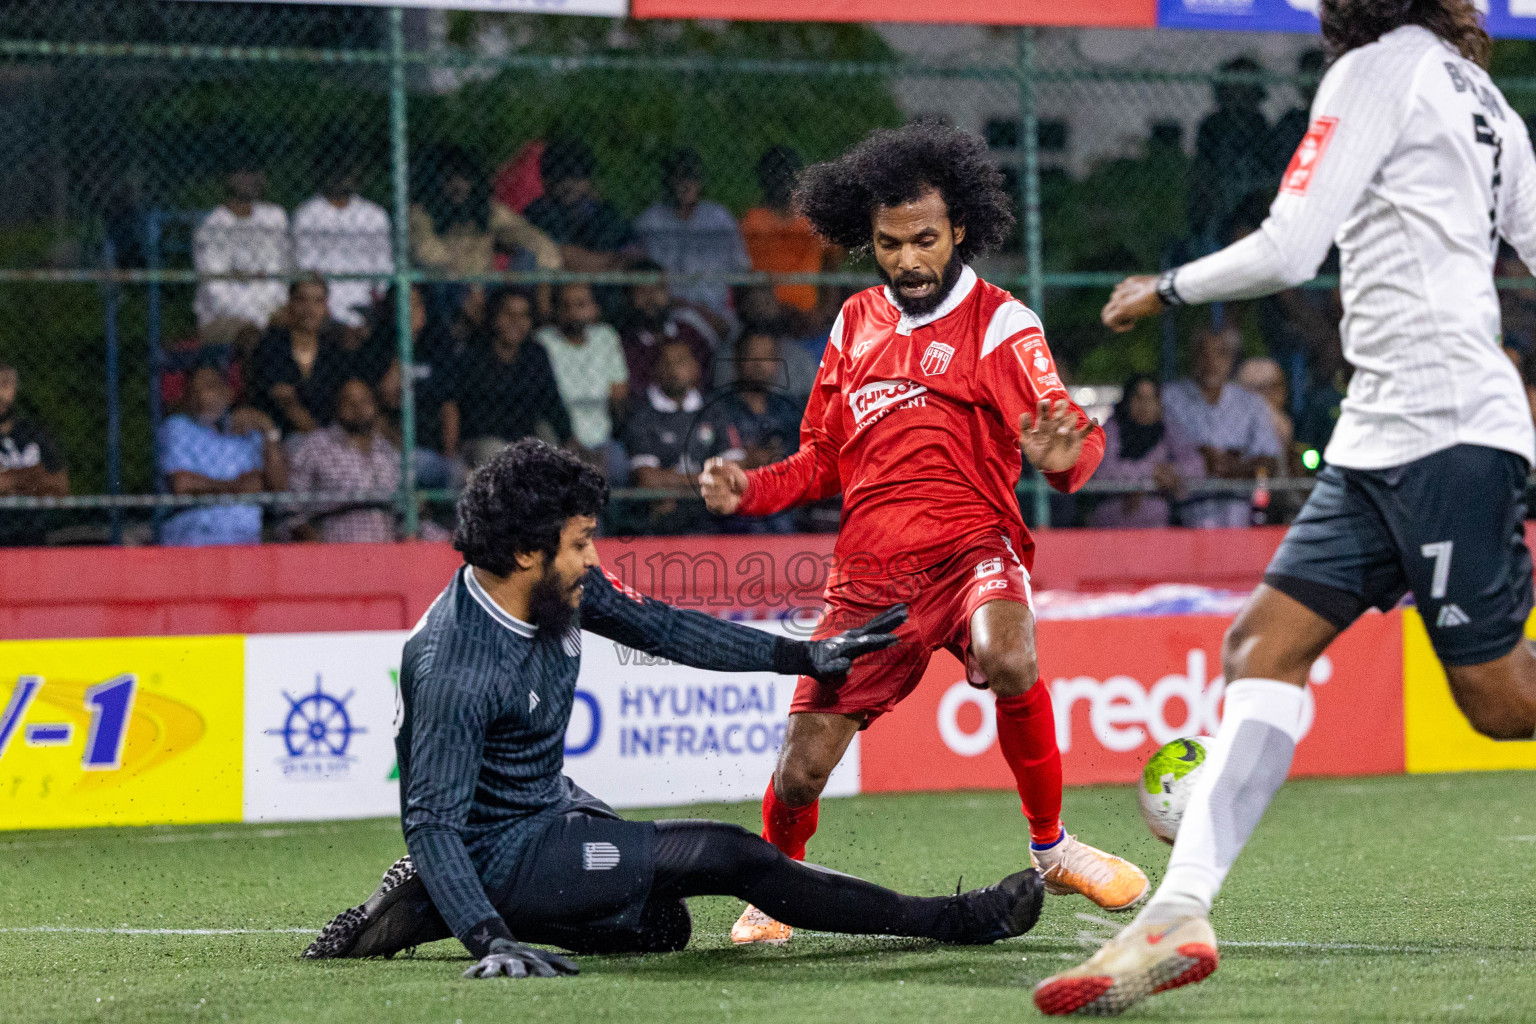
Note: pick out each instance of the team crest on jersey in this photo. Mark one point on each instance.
(936, 359)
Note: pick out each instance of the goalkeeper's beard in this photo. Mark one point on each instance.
(549, 602)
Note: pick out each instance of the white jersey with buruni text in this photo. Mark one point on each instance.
(1414, 165)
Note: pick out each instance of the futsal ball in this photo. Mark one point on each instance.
(1167, 781)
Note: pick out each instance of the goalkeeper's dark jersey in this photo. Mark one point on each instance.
(484, 702)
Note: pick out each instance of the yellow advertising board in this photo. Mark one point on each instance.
(1437, 736)
(120, 732)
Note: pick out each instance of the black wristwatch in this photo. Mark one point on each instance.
(1166, 291)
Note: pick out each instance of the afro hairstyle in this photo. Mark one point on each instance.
(898, 165)
(519, 502)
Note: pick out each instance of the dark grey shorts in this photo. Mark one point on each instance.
(1449, 527)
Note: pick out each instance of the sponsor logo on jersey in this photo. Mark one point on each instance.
(1303, 166)
(599, 856)
(871, 400)
(619, 585)
(862, 346)
(936, 359)
(1029, 348)
(991, 567)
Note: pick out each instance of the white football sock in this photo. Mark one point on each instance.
(1244, 767)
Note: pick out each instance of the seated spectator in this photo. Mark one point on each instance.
(244, 236)
(31, 465)
(297, 369)
(778, 239)
(588, 361)
(590, 231)
(437, 424)
(655, 318)
(340, 232)
(762, 313)
(456, 227)
(1140, 448)
(508, 390)
(668, 442)
(1264, 377)
(688, 234)
(210, 449)
(1230, 425)
(350, 455)
(758, 421)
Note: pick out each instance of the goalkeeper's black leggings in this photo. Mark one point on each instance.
(712, 858)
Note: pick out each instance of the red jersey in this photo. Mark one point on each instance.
(916, 421)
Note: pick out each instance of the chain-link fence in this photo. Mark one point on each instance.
(226, 228)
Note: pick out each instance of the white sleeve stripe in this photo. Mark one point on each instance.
(1011, 318)
(835, 337)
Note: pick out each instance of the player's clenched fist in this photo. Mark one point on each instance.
(1051, 439)
(723, 484)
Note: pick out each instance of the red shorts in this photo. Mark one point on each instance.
(942, 600)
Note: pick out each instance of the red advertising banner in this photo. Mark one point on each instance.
(1123, 687)
(1098, 14)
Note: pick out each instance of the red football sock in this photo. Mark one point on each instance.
(788, 827)
(1026, 730)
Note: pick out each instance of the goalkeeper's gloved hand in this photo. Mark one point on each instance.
(830, 659)
(515, 960)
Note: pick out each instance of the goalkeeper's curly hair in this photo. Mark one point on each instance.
(519, 501)
(1351, 24)
(896, 166)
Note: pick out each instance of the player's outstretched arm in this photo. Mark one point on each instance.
(692, 638)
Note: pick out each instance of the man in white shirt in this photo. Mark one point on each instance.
(340, 232)
(244, 237)
(588, 361)
(1414, 165)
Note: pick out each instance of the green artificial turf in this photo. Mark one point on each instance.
(1391, 899)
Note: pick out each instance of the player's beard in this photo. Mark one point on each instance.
(930, 302)
(549, 602)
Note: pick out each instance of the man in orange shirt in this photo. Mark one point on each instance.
(778, 239)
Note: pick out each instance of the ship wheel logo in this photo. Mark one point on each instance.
(317, 724)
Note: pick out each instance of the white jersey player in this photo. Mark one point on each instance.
(1414, 166)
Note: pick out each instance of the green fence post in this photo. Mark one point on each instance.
(400, 187)
(1029, 185)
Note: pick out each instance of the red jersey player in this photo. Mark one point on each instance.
(929, 389)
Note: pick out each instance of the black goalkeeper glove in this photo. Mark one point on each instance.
(830, 659)
(515, 960)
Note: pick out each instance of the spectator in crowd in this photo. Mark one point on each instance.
(1292, 125)
(668, 442)
(588, 361)
(31, 465)
(758, 421)
(350, 455)
(508, 390)
(778, 239)
(340, 232)
(688, 234)
(590, 231)
(655, 318)
(297, 369)
(246, 237)
(1140, 448)
(1264, 377)
(209, 448)
(1231, 153)
(456, 227)
(437, 424)
(799, 346)
(1230, 425)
